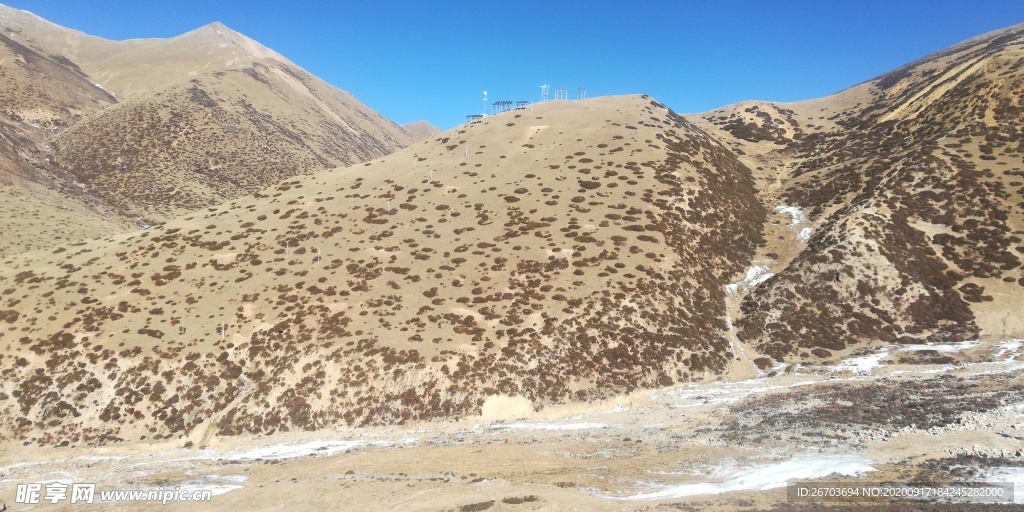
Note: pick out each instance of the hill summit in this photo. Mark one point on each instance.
(562, 253)
(105, 136)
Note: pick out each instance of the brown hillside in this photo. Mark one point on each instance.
(577, 250)
(420, 130)
(913, 184)
(40, 96)
(129, 133)
(205, 140)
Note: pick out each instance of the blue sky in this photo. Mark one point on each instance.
(414, 60)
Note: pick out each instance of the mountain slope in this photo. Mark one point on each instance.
(577, 250)
(208, 139)
(912, 183)
(40, 96)
(156, 127)
(421, 129)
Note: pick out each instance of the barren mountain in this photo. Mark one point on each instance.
(912, 186)
(573, 251)
(152, 128)
(421, 129)
(40, 96)
(576, 251)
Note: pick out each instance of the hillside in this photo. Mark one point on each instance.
(40, 96)
(131, 133)
(420, 130)
(912, 185)
(575, 251)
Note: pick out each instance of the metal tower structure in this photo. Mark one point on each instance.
(544, 92)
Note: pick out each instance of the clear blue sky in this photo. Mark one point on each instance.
(420, 59)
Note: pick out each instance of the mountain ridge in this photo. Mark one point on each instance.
(187, 122)
(943, 127)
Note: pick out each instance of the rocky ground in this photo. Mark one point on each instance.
(930, 414)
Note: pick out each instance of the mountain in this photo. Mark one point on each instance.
(912, 184)
(501, 258)
(41, 95)
(420, 130)
(576, 251)
(153, 128)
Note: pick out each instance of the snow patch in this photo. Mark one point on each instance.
(756, 275)
(291, 451)
(797, 219)
(1011, 475)
(862, 364)
(540, 425)
(284, 451)
(696, 395)
(1008, 349)
(215, 484)
(941, 347)
(796, 214)
(728, 478)
(64, 477)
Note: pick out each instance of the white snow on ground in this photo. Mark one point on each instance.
(796, 214)
(756, 275)
(1004, 359)
(862, 364)
(291, 451)
(613, 410)
(944, 347)
(286, 451)
(216, 484)
(1008, 349)
(1015, 475)
(1005, 351)
(540, 425)
(796, 219)
(696, 395)
(727, 479)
